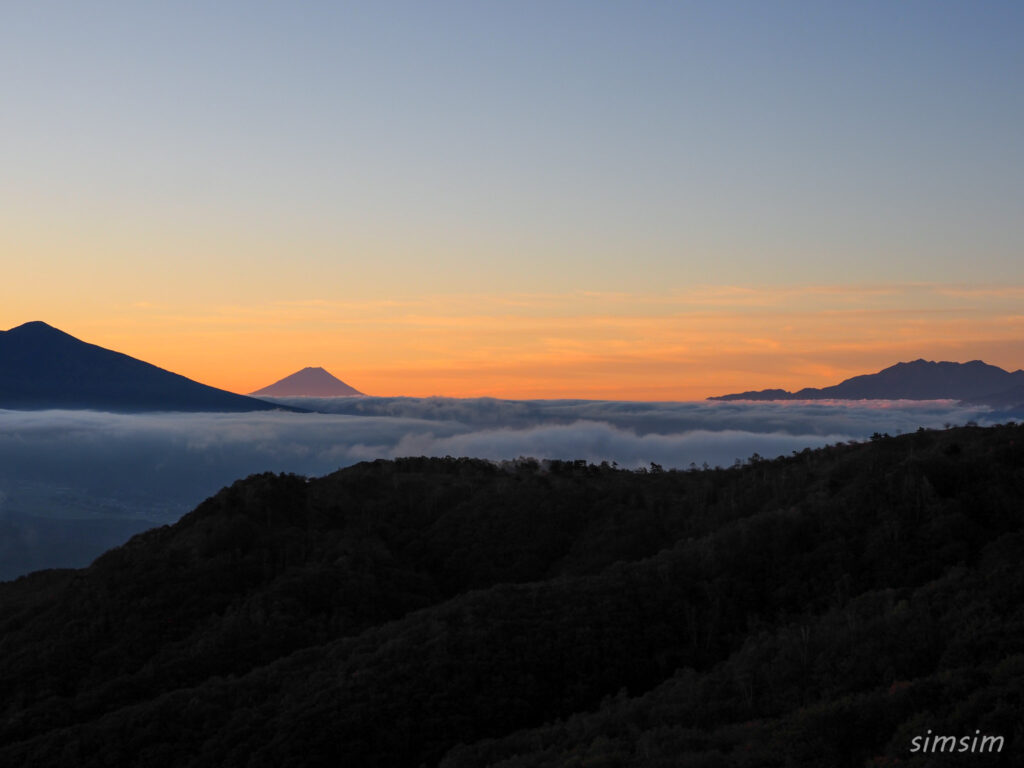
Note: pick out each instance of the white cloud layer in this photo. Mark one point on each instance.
(154, 467)
(162, 464)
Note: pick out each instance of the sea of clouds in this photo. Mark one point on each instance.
(151, 468)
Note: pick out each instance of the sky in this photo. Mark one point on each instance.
(644, 201)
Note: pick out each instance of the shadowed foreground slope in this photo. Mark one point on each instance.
(821, 609)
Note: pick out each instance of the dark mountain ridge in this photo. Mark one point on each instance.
(309, 382)
(917, 380)
(43, 367)
(819, 609)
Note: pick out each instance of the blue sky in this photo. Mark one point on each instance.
(185, 154)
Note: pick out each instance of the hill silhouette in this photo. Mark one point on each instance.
(43, 367)
(916, 380)
(309, 382)
(820, 609)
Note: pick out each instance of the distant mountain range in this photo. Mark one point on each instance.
(976, 382)
(309, 382)
(43, 367)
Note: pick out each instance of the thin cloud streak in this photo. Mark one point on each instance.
(681, 344)
(684, 344)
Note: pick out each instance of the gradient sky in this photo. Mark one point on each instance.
(633, 200)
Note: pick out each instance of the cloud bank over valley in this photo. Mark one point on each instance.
(149, 469)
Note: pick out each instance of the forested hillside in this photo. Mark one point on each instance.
(817, 610)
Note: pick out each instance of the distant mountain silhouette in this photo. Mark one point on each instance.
(309, 382)
(917, 380)
(43, 367)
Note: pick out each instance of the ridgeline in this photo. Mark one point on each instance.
(821, 609)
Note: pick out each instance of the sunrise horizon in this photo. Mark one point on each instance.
(650, 203)
(462, 384)
(557, 346)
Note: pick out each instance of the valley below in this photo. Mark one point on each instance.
(822, 608)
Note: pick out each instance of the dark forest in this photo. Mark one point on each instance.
(820, 609)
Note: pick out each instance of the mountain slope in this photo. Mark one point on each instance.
(309, 382)
(43, 367)
(917, 380)
(815, 610)
(1009, 399)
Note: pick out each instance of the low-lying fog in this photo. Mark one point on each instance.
(116, 474)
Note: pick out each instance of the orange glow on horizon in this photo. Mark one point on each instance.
(680, 346)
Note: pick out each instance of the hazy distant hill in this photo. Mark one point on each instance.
(43, 367)
(309, 382)
(917, 380)
(1012, 399)
(821, 609)
(31, 543)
